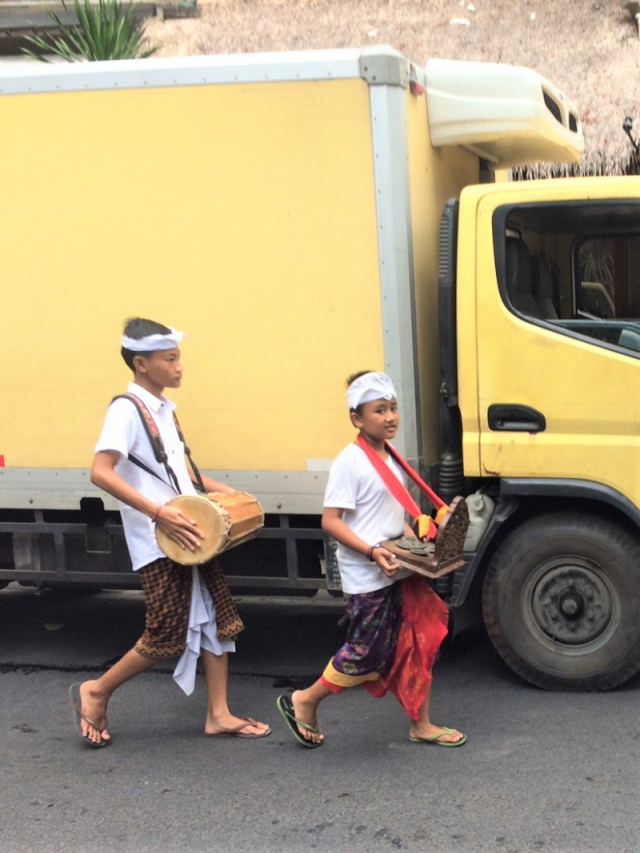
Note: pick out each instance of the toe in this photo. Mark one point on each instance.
(312, 737)
(255, 727)
(451, 735)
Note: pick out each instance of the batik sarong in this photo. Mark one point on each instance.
(392, 642)
(371, 639)
(167, 593)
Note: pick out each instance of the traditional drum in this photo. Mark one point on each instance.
(245, 518)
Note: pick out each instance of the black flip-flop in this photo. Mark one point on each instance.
(78, 716)
(285, 706)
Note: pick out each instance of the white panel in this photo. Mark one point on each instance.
(395, 254)
(180, 71)
(500, 112)
(298, 492)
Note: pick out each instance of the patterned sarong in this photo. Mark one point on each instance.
(425, 619)
(167, 593)
(371, 639)
(392, 642)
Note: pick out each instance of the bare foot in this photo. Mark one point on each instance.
(228, 724)
(93, 707)
(306, 713)
(430, 732)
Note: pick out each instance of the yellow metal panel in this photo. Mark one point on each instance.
(243, 214)
(588, 394)
(435, 175)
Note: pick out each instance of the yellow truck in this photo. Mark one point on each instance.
(303, 216)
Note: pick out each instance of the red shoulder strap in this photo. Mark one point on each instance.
(397, 489)
(417, 479)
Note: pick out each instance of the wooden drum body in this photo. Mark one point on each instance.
(220, 533)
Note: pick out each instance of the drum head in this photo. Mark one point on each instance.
(210, 522)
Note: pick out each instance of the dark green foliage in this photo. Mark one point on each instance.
(106, 30)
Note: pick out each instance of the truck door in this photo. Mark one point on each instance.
(557, 294)
(558, 335)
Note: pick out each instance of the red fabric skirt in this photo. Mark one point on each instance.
(424, 626)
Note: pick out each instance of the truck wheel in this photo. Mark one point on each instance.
(561, 599)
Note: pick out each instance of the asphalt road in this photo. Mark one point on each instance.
(540, 771)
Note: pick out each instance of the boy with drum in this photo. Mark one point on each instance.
(396, 627)
(189, 611)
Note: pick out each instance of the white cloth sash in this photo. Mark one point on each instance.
(201, 634)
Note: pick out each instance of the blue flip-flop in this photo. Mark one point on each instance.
(285, 706)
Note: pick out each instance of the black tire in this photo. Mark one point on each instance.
(561, 600)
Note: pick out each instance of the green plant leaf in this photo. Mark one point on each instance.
(107, 30)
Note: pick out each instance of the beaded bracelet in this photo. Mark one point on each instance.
(156, 514)
(372, 549)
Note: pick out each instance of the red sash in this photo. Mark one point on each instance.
(424, 627)
(425, 526)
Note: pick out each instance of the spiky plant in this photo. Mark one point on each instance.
(106, 30)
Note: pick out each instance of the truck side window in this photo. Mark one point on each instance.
(574, 266)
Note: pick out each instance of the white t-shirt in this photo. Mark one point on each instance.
(370, 510)
(123, 432)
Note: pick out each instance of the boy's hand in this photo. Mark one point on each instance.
(212, 498)
(384, 559)
(182, 530)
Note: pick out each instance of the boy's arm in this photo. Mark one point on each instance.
(177, 526)
(333, 524)
(214, 486)
(209, 484)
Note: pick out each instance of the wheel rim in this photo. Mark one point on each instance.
(570, 601)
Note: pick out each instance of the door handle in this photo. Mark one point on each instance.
(508, 417)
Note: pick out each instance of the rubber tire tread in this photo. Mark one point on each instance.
(511, 558)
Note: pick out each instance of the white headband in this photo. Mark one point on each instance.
(152, 343)
(370, 386)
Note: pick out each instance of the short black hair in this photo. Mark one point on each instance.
(136, 328)
(353, 378)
